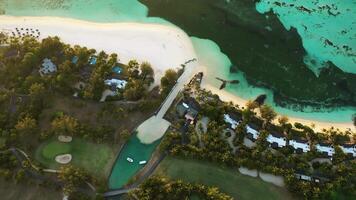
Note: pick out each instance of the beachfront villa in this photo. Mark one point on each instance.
(326, 149)
(276, 140)
(232, 121)
(300, 145)
(48, 67)
(349, 149)
(116, 83)
(252, 132)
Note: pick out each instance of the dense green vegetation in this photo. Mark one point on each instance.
(37, 108)
(212, 146)
(228, 180)
(160, 188)
(94, 158)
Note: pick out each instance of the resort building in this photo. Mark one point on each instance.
(303, 177)
(252, 132)
(116, 83)
(47, 67)
(232, 120)
(276, 140)
(189, 108)
(325, 148)
(117, 69)
(92, 60)
(300, 145)
(313, 178)
(349, 149)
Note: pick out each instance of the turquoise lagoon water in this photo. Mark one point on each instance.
(123, 170)
(209, 52)
(336, 24)
(210, 55)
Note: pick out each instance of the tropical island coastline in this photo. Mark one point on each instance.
(46, 81)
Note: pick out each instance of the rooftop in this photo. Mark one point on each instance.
(119, 84)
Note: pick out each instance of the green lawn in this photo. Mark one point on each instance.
(226, 179)
(95, 158)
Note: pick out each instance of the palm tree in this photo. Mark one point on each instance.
(146, 70)
(268, 114)
(283, 122)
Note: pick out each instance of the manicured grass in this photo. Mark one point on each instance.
(228, 180)
(55, 148)
(95, 158)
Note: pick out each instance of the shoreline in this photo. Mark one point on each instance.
(319, 125)
(165, 47)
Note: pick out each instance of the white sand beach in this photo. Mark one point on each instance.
(163, 46)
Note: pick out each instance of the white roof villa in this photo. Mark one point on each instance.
(327, 149)
(274, 140)
(304, 146)
(231, 121)
(47, 67)
(253, 132)
(119, 84)
(349, 149)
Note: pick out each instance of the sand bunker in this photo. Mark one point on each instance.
(63, 159)
(63, 138)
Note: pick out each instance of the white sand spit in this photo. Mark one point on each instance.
(163, 46)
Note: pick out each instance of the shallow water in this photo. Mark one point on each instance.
(217, 63)
(333, 20)
(210, 55)
(123, 170)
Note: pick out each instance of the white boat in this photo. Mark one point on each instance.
(129, 159)
(142, 162)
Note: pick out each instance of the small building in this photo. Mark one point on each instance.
(349, 149)
(300, 145)
(276, 140)
(48, 67)
(303, 177)
(189, 108)
(116, 83)
(117, 69)
(75, 59)
(232, 120)
(92, 60)
(326, 148)
(252, 132)
(312, 178)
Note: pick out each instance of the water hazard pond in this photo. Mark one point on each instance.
(123, 170)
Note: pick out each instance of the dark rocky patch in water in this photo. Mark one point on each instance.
(259, 45)
(260, 100)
